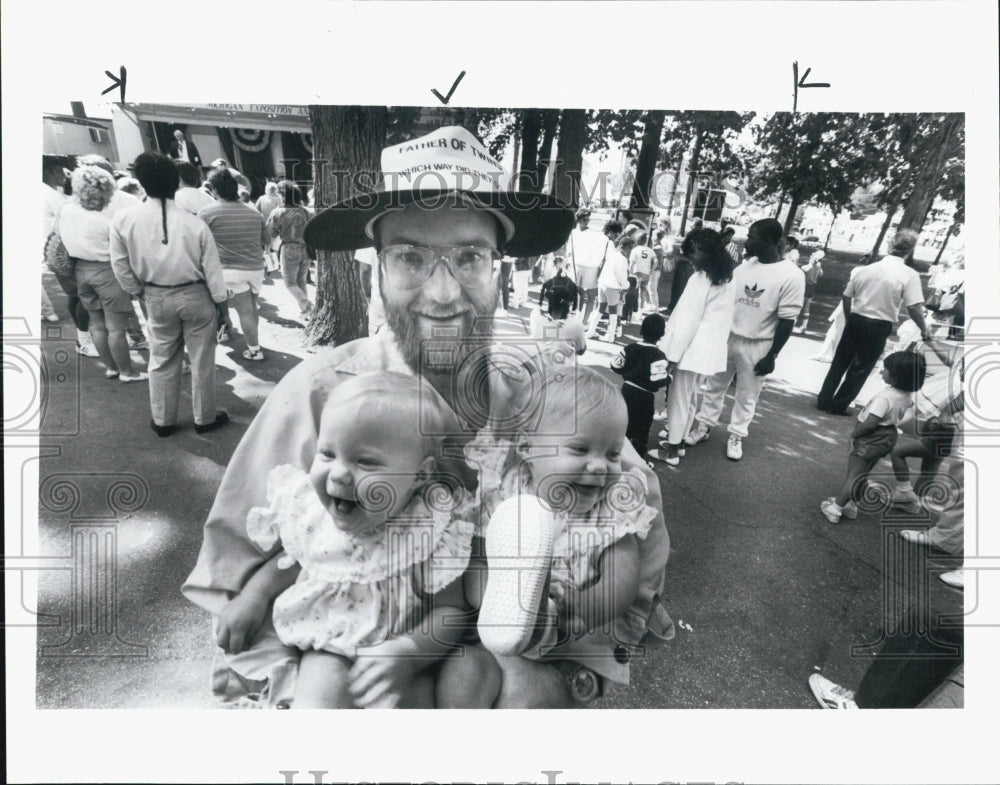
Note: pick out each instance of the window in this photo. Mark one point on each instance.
(98, 135)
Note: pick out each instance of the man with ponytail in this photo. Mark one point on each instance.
(169, 258)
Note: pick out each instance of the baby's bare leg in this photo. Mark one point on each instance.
(322, 682)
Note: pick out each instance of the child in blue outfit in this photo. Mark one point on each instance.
(875, 433)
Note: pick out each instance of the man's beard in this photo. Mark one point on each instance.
(438, 357)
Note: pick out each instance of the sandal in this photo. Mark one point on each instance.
(255, 355)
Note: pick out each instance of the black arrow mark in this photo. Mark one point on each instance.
(444, 99)
(802, 83)
(119, 82)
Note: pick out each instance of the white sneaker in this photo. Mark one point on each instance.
(828, 508)
(86, 348)
(907, 501)
(519, 551)
(955, 578)
(915, 536)
(660, 416)
(51, 317)
(697, 435)
(830, 695)
(734, 447)
(671, 454)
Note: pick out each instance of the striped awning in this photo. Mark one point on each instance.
(266, 117)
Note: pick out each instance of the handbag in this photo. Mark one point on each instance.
(933, 303)
(56, 257)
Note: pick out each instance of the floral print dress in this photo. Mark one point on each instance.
(354, 590)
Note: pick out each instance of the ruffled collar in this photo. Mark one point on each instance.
(433, 522)
(622, 506)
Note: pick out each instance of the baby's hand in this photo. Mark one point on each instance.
(240, 620)
(380, 675)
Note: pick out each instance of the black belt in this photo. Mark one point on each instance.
(170, 285)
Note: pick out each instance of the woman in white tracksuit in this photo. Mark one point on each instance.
(612, 280)
(696, 339)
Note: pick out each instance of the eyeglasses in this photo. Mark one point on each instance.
(410, 266)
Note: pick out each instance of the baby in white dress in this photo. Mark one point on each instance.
(379, 538)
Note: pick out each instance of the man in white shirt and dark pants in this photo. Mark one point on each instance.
(872, 301)
(586, 251)
(769, 292)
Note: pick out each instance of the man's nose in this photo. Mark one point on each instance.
(442, 287)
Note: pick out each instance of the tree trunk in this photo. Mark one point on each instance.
(947, 237)
(692, 178)
(830, 233)
(572, 138)
(930, 174)
(549, 123)
(673, 187)
(793, 208)
(649, 153)
(531, 129)
(348, 142)
(890, 211)
(515, 166)
(781, 203)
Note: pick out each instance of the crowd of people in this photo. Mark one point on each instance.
(181, 246)
(344, 543)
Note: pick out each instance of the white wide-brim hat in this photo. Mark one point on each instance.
(432, 172)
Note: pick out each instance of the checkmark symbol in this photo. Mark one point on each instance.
(445, 98)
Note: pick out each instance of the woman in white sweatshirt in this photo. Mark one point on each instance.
(697, 334)
(612, 281)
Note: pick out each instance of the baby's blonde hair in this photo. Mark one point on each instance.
(405, 399)
(569, 395)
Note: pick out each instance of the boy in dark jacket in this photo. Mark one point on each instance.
(560, 291)
(644, 368)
